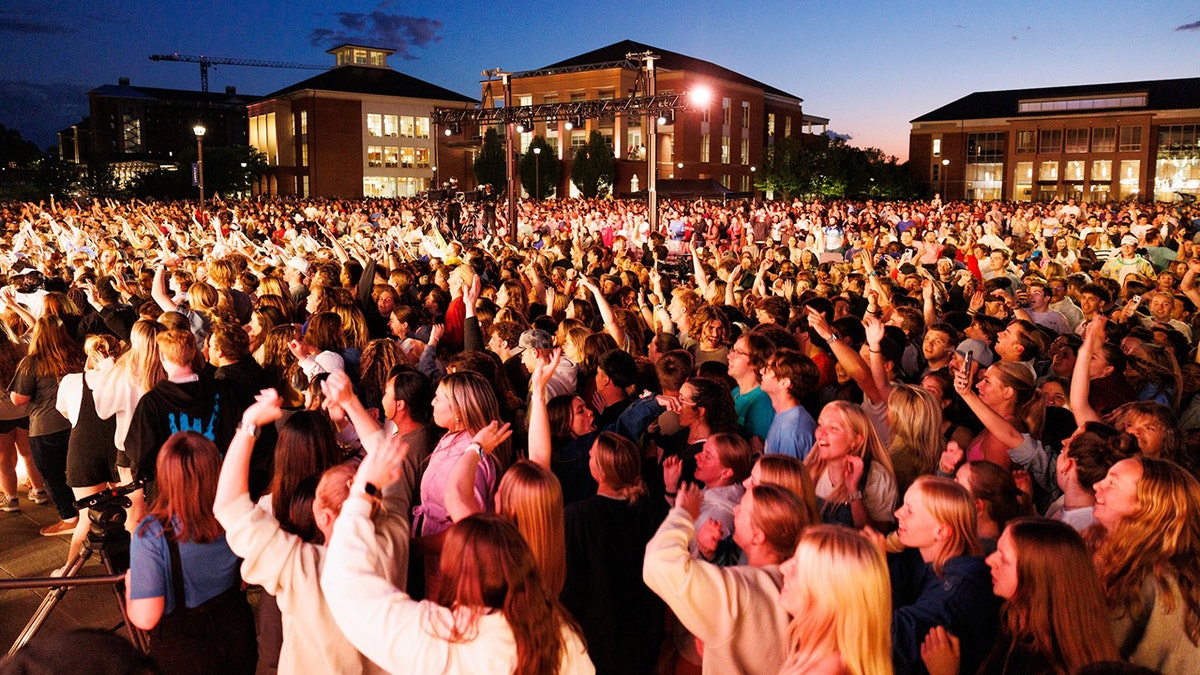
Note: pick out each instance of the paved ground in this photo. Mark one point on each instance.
(25, 553)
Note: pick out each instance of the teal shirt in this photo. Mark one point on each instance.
(754, 411)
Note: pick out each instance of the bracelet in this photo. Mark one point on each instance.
(368, 490)
(477, 449)
(672, 494)
(249, 427)
(875, 351)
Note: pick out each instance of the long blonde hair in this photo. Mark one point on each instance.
(531, 497)
(870, 449)
(950, 504)
(844, 589)
(916, 422)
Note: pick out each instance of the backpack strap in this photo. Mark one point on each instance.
(176, 567)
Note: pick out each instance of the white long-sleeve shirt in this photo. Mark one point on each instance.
(406, 636)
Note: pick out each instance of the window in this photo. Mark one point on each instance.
(1023, 181)
(391, 124)
(1092, 103)
(1104, 139)
(937, 147)
(374, 155)
(787, 127)
(407, 157)
(303, 122)
(1077, 141)
(525, 100)
(745, 183)
(745, 151)
(578, 139)
(374, 124)
(422, 127)
(704, 115)
(705, 143)
(378, 59)
(1128, 182)
(935, 172)
(725, 111)
(1050, 140)
(1074, 171)
(391, 156)
(1026, 142)
(578, 96)
(422, 158)
(724, 149)
(552, 138)
(1102, 170)
(408, 127)
(360, 56)
(770, 125)
(985, 148)
(1177, 169)
(1131, 139)
(304, 154)
(131, 129)
(550, 99)
(606, 95)
(745, 114)
(1048, 172)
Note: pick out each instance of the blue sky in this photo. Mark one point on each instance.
(870, 66)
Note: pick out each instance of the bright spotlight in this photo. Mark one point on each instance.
(700, 96)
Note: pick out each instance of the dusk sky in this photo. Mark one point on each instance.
(869, 66)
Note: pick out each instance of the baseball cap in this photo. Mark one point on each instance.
(1129, 240)
(536, 338)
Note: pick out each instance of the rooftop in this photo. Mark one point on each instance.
(668, 60)
(1160, 95)
(354, 79)
(125, 90)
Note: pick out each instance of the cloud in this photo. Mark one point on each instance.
(379, 29)
(11, 24)
(1195, 25)
(39, 110)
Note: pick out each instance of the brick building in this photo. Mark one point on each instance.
(136, 129)
(1127, 140)
(725, 141)
(359, 129)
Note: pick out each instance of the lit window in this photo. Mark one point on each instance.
(390, 154)
(407, 158)
(374, 124)
(375, 155)
(937, 147)
(390, 124)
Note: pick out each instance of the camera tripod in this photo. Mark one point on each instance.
(106, 537)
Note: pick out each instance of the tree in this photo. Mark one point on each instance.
(228, 171)
(829, 167)
(594, 169)
(490, 166)
(539, 173)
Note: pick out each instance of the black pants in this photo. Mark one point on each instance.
(50, 458)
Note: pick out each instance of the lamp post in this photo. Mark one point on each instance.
(537, 172)
(945, 181)
(199, 130)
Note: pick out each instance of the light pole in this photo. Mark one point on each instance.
(537, 172)
(945, 181)
(199, 130)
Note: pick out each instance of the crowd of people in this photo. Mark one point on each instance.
(768, 436)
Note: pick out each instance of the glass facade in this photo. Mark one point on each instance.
(1177, 164)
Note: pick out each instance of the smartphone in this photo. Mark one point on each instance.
(968, 361)
(1136, 301)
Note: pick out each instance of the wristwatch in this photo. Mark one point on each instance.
(477, 449)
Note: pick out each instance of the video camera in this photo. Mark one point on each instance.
(106, 508)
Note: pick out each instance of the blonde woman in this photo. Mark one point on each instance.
(463, 405)
(852, 470)
(915, 419)
(940, 578)
(530, 497)
(836, 588)
(136, 372)
(91, 452)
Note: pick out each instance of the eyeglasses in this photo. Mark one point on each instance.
(739, 352)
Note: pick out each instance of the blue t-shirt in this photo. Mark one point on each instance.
(754, 411)
(792, 433)
(208, 569)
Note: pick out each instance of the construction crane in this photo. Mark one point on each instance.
(207, 61)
